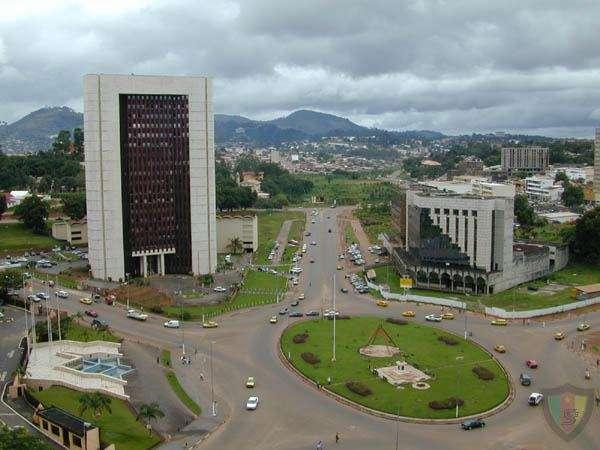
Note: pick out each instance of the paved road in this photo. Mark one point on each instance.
(294, 415)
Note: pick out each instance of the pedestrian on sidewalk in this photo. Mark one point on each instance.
(337, 437)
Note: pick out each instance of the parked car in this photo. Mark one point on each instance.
(273, 319)
(525, 379)
(283, 311)
(535, 399)
(210, 324)
(100, 324)
(62, 294)
(33, 298)
(250, 382)
(329, 313)
(470, 424)
(312, 313)
(171, 324)
(295, 314)
(42, 296)
(252, 403)
(344, 290)
(91, 313)
(531, 363)
(559, 336)
(220, 289)
(500, 348)
(295, 303)
(433, 318)
(583, 326)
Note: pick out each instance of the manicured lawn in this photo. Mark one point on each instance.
(258, 288)
(183, 396)
(269, 224)
(14, 237)
(422, 349)
(118, 427)
(518, 298)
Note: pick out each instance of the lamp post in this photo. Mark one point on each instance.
(458, 358)
(212, 385)
(334, 314)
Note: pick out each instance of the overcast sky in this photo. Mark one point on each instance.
(455, 66)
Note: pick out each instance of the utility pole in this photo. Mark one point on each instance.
(334, 314)
(212, 380)
(26, 311)
(465, 314)
(397, 428)
(458, 358)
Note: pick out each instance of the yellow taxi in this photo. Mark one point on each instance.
(448, 316)
(210, 324)
(85, 301)
(408, 314)
(500, 322)
(382, 303)
(559, 336)
(500, 348)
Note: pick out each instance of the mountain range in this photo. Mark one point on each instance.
(36, 130)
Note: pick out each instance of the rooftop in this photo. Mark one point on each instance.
(66, 420)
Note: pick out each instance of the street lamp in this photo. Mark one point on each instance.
(212, 385)
(334, 314)
(458, 358)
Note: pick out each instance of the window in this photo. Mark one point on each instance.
(44, 425)
(55, 430)
(465, 212)
(76, 441)
(446, 211)
(437, 210)
(474, 213)
(455, 212)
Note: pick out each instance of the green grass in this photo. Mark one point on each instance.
(259, 288)
(349, 235)
(518, 298)
(16, 237)
(165, 358)
(421, 347)
(269, 224)
(118, 427)
(549, 232)
(180, 392)
(77, 332)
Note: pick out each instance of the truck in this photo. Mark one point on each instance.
(136, 315)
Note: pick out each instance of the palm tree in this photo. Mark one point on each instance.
(150, 411)
(235, 245)
(95, 402)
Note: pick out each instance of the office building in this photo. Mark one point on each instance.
(531, 159)
(72, 231)
(150, 185)
(240, 225)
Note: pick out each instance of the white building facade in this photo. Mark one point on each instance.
(543, 189)
(150, 184)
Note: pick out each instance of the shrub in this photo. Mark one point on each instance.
(448, 403)
(396, 321)
(448, 340)
(310, 358)
(157, 309)
(300, 338)
(483, 373)
(358, 388)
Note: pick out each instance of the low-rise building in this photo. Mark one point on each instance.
(68, 430)
(74, 232)
(543, 189)
(240, 225)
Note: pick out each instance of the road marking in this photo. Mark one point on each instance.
(3, 376)
(10, 354)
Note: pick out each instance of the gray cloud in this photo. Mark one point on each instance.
(455, 66)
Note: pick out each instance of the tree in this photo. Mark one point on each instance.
(33, 212)
(150, 411)
(235, 245)
(573, 195)
(3, 205)
(62, 143)
(561, 176)
(78, 142)
(10, 279)
(74, 205)
(524, 212)
(584, 241)
(19, 439)
(95, 402)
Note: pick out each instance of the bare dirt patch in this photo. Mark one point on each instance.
(379, 351)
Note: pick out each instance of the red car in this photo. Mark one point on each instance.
(531, 363)
(91, 313)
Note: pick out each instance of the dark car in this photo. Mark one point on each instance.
(525, 379)
(100, 324)
(329, 230)
(91, 313)
(344, 290)
(283, 311)
(295, 314)
(295, 303)
(470, 424)
(312, 313)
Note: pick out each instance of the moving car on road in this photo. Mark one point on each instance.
(295, 303)
(382, 303)
(500, 348)
(62, 294)
(344, 290)
(312, 313)
(283, 311)
(210, 324)
(85, 301)
(500, 322)
(525, 379)
(171, 324)
(448, 316)
(433, 318)
(409, 313)
(273, 319)
(583, 326)
(137, 315)
(295, 314)
(301, 296)
(531, 363)
(252, 403)
(42, 296)
(250, 382)
(559, 336)
(470, 424)
(91, 313)
(535, 399)
(220, 289)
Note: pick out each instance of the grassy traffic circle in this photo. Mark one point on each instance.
(447, 358)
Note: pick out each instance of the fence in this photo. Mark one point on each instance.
(499, 312)
(417, 298)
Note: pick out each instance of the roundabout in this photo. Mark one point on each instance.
(456, 371)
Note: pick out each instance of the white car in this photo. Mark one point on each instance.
(62, 294)
(330, 313)
(433, 318)
(295, 281)
(43, 296)
(535, 398)
(313, 243)
(220, 289)
(252, 403)
(172, 324)
(296, 270)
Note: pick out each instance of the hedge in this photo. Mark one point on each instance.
(448, 403)
(310, 358)
(358, 388)
(396, 321)
(300, 338)
(483, 373)
(448, 340)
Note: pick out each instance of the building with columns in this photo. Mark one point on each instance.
(150, 184)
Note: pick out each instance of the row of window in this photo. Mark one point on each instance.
(455, 212)
(76, 440)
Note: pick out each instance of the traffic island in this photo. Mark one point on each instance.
(447, 369)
